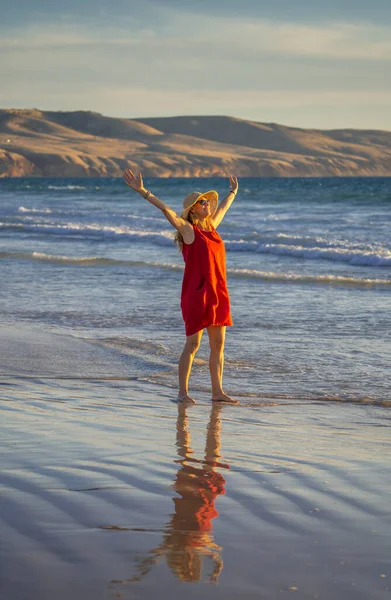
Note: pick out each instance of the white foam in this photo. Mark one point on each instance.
(61, 258)
(67, 187)
(300, 248)
(315, 279)
(22, 209)
(276, 277)
(377, 258)
(164, 237)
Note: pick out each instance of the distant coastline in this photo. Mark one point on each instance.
(36, 143)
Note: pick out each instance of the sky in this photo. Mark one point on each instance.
(303, 63)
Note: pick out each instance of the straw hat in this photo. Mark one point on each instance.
(192, 198)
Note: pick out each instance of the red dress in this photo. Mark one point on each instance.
(205, 299)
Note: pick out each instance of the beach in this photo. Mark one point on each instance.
(110, 489)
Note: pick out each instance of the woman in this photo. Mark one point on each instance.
(204, 300)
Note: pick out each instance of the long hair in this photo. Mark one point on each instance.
(191, 218)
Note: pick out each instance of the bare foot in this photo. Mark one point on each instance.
(224, 398)
(186, 398)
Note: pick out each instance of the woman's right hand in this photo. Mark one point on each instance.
(136, 183)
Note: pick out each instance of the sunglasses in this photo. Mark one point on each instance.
(204, 202)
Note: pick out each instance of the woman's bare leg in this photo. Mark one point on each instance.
(185, 363)
(216, 363)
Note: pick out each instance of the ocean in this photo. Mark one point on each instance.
(309, 275)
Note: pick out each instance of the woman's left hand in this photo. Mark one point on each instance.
(233, 183)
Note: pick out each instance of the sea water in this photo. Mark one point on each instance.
(309, 275)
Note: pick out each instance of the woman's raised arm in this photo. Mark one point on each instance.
(226, 202)
(136, 183)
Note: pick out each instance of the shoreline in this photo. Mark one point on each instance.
(28, 353)
(108, 489)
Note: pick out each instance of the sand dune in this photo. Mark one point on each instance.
(81, 143)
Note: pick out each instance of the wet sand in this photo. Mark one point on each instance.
(108, 489)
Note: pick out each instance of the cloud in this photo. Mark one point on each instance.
(240, 55)
(156, 11)
(340, 41)
(212, 36)
(135, 101)
(189, 65)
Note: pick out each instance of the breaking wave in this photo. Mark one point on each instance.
(302, 247)
(97, 261)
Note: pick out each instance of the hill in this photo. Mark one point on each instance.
(82, 143)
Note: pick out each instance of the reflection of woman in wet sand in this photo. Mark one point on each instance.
(188, 539)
